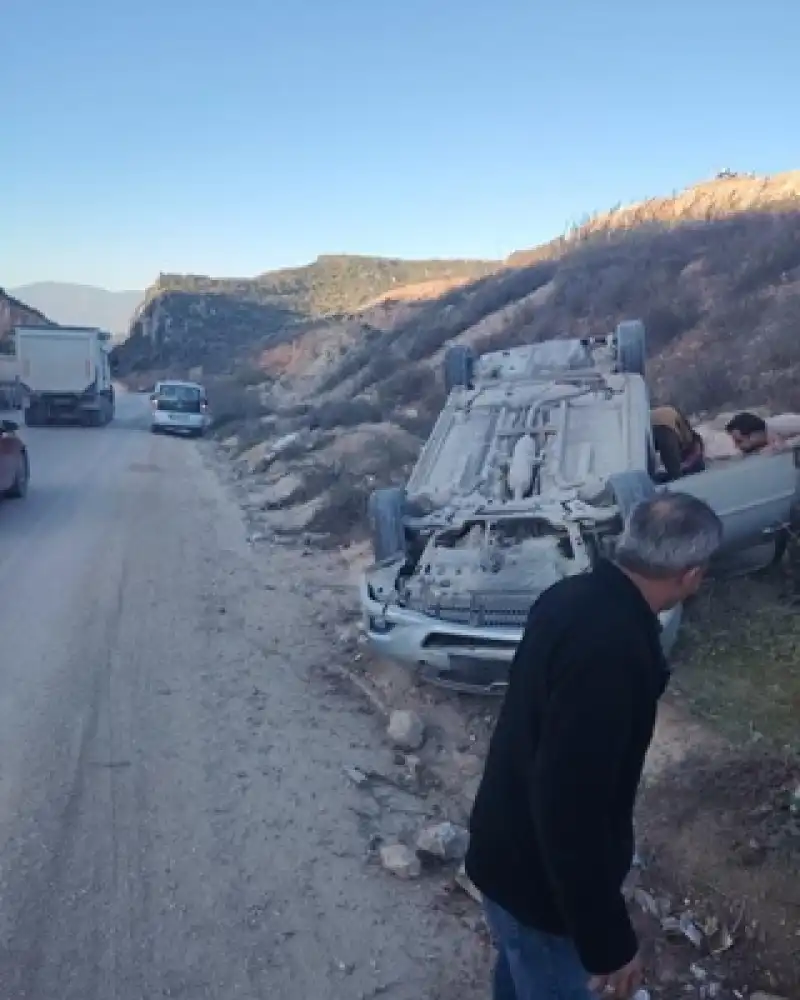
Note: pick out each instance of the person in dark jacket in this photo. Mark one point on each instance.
(551, 831)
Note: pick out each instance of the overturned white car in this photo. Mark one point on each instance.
(535, 460)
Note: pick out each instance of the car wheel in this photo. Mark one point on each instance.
(459, 364)
(20, 486)
(385, 511)
(155, 429)
(631, 347)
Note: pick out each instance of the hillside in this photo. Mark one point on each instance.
(82, 305)
(197, 320)
(714, 272)
(13, 313)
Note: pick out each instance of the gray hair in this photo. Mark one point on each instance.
(668, 535)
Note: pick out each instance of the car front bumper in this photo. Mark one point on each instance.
(460, 657)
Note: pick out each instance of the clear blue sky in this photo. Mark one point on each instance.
(235, 137)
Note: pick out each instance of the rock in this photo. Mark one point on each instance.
(698, 971)
(357, 776)
(444, 841)
(283, 491)
(231, 443)
(400, 861)
(464, 882)
(646, 902)
(262, 455)
(469, 792)
(470, 764)
(295, 520)
(412, 763)
(255, 458)
(406, 730)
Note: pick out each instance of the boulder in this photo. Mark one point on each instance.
(400, 861)
(406, 730)
(444, 841)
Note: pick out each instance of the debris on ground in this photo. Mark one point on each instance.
(401, 861)
(465, 883)
(406, 730)
(444, 842)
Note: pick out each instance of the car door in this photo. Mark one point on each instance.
(753, 496)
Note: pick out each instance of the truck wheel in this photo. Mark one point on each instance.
(631, 347)
(459, 367)
(630, 489)
(385, 512)
(20, 485)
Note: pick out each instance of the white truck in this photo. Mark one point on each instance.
(10, 388)
(65, 374)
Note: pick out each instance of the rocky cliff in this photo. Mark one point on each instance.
(188, 320)
(15, 313)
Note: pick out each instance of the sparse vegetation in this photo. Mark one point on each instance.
(332, 284)
(739, 659)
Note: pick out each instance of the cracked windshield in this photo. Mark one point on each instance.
(399, 501)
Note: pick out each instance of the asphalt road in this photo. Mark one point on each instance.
(173, 817)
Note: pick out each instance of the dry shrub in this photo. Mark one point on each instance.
(344, 516)
(231, 404)
(344, 413)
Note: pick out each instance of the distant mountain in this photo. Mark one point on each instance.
(81, 305)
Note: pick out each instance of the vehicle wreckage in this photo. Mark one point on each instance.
(537, 457)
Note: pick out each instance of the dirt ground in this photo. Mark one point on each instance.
(717, 897)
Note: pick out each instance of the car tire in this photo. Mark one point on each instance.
(155, 429)
(459, 367)
(19, 489)
(385, 511)
(631, 347)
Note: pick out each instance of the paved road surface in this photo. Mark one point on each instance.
(173, 817)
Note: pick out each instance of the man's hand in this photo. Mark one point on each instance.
(621, 984)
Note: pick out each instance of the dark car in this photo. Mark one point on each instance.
(14, 468)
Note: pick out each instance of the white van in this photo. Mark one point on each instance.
(179, 407)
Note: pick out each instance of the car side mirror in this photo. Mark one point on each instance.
(8, 426)
(153, 397)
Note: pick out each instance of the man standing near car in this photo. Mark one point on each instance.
(552, 825)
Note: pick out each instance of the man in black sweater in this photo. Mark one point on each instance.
(552, 825)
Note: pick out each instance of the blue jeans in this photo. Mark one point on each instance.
(532, 965)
